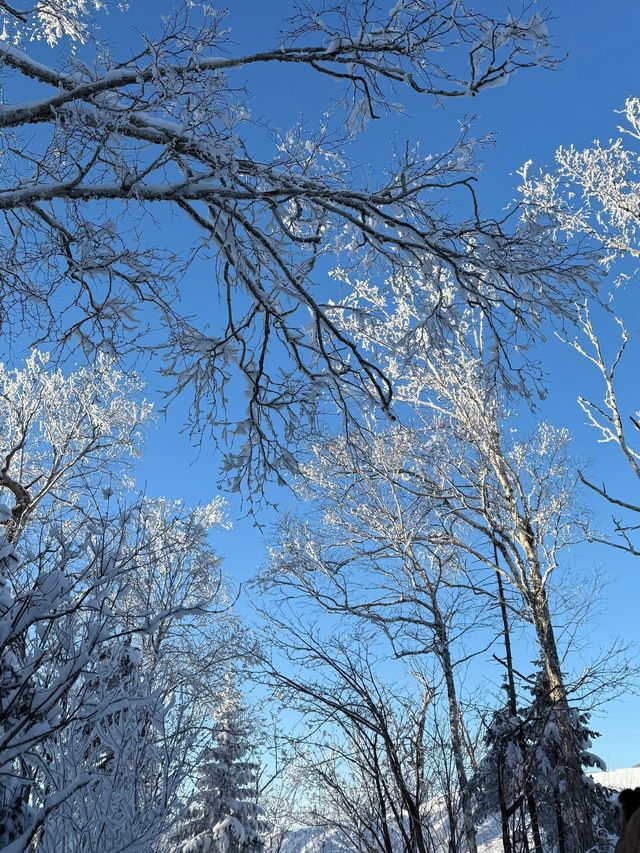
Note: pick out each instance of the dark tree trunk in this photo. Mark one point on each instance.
(513, 709)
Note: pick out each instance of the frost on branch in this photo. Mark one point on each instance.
(103, 144)
(593, 192)
(49, 20)
(114, 621)
(594, 195)
(63, 435)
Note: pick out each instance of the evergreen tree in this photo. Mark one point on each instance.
(523, 766)
(224, 815)
(551, 777)
(503, 785)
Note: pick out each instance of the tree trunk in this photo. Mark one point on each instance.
(504, 813)
(513, 708)
(457, 744)
(578, 834)
(573, 811)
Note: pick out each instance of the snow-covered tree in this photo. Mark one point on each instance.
(15, 698)
(524, 761)
(224, 815)
(124, 751)
(193, 637)
(104, 139)
(502, 778)
(592, 195)
(544, 760)
(57, 628)
(141, 702)
(112, 620)
(63, 438)
(510, 502)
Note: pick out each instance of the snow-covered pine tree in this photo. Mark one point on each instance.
(502, 784)
(541, 722)
(523, 768)
(499, 774)
(224, 816)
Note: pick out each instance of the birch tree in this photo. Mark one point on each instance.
(96, 141)
(371, 562)
(519, 496)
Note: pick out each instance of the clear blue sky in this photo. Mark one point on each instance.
(536, 112)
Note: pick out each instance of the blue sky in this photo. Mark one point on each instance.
(535, 113)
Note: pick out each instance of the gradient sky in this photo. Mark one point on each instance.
(535, 113)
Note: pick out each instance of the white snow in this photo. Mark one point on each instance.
(627, 777)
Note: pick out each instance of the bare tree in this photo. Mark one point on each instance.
(279, 788)
(364, 749)
(614, 426)
(372, 562)
(98, 143)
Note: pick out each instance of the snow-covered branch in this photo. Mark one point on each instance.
(98, 145)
